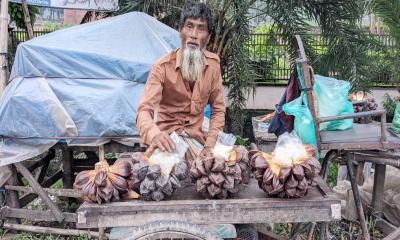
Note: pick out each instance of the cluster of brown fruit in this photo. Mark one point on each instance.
(149, 180)
(219, 178)
(132, 173)
(285, 178)
(106, 183)
(370, 105)
(286, 173)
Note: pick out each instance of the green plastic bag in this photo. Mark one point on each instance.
(303, 121)
(396, 119)
(332, 98)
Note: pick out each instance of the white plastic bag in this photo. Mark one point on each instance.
(224, 145)
(167, 160)
(289, 150)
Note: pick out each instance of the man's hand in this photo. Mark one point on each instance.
(162, 141)
(205, 152)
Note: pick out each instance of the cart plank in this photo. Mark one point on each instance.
(251, 205)
(365, 135)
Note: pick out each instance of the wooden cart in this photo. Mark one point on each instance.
(187, 210)
(181, 214)
(14, 196)
(362, 143)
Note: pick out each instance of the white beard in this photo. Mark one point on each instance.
(191, 64)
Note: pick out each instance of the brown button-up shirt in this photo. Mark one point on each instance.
(178, 107)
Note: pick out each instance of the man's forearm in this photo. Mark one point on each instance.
(146, 126)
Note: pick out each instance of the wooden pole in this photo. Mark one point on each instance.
(3, 45)
(72, 193)
(27, 19)
(101, 153)
(48, 230)
(394, 235)
(357, 198)
(34, 215)
(12, 196)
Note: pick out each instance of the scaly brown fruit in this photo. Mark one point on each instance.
(289, 179)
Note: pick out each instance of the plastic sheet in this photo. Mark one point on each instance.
(80, 85)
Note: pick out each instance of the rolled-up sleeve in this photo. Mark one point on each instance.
(216, 100)
(149, 103)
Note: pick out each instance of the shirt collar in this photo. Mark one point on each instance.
(178, 56)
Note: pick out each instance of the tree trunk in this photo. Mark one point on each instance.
(27, 19)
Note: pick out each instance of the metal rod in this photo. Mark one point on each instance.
(360, 157)
(385, 154)
(354, 115)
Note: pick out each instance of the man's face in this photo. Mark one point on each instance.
(194, 33)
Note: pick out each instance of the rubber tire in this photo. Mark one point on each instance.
(172, 226)
(246, 232)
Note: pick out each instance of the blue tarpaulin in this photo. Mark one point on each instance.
(81, 84)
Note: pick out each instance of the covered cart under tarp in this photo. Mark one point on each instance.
(81, 85)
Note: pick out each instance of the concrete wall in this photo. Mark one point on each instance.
(73, 16)
(267, 97)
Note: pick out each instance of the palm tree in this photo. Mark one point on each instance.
(389, 12)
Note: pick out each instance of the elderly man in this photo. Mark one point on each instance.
(180, 85)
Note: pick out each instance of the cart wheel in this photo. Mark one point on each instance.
(171, 229)
(246, 232)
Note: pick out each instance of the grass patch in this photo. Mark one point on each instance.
(332, 174)
(34, 236)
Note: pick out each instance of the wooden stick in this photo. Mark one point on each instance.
(38, 189)
(101, 153)
(48, 230)
(101, 233)
(3, 45)
(357, 198)
(311, 231)
(27, 198)
(267, 117)
(12, 197)
(52, 191)
(378, 189)
(394, 235)
(35, 215)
